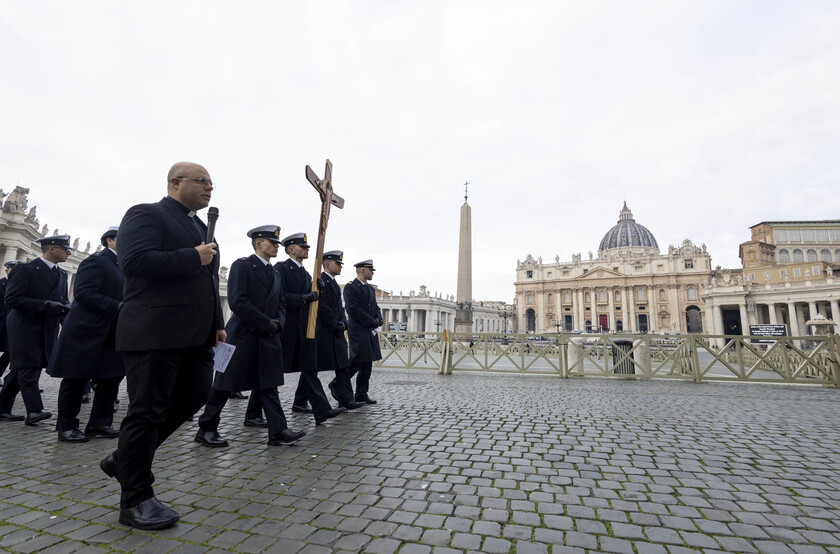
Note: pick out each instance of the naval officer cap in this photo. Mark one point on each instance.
(12, 263)
(334, 255)
(270, 232)
(109, 234)
(297, 238)
(365, 263)
(62, 241)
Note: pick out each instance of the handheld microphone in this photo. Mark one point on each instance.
(212, 216)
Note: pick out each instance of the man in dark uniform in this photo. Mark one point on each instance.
(4, 311)
(298, 351)
(170, 320)
(255, 296)
(364, 317)
(81, 354)
(329, 332)
(36, 296)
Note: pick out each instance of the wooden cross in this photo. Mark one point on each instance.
(328, 198)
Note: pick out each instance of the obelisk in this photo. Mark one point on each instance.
(463, 298)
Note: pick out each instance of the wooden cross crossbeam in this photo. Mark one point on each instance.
(328, 198)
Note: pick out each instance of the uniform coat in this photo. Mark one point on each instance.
(80, 352)
(170, 300)
(4, 311)
(255, 296)
(31, 328)
(362, 310)
(329, 333)
(298, 351)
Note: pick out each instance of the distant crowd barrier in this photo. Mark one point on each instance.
(813, 360)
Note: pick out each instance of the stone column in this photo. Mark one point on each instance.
(745, 318)
(793, 318)
(625, 308)
(631, 309)
(710, 320)
(771, 311)
(653, 317)
(611, 308)
(10, 254)
(835, 315)
(580, 309)
(812, 307)
(719, 324)
(593, 307)
(677, 316)
(540, 326)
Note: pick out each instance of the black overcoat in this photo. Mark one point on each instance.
(80, 351)
(298, 351)
(329, 334)
(170, 300)
(255, 296)
(4, 311)
(362, 310)
(30, 328)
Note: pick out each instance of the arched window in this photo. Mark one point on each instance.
(640, 294)
(550, 299)
(619, 326)
(825, 255)
(567, 298)
(784, 256)
(602, 296)
(530, 299)
(797, 256)
(662, 295)
(691, 293)
(588, 327)
(530, 320)
(587, 298)
(812, 255)
(618, 296)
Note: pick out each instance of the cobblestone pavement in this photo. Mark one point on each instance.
(469, 462)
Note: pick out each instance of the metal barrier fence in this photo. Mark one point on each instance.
(698, 358)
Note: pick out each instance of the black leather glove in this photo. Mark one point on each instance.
(58, 308)
(275, 323)
(310, 297)
(341, 328)
(375, 323)
(321, 284)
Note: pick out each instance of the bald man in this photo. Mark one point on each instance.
(170, 321)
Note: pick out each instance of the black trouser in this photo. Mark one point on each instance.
(344, 385)
(310, 390)
(268, 400)
(362, 372)
(254, 409)
(24, 381)
(70, 402)
(165, 388)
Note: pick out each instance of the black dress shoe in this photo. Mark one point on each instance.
(353, 405)
(333, 386)
(35, 417)
(11, 417)
(110, 467)
(329, 415)
(256, 422)
(238, 396)
(366, 399)
(286, 436)
(149, 514)
(73, 435)
(301, 409)
(210, 438)
(102, 432)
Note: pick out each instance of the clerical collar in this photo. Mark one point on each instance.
(297, 263)
(49, 263)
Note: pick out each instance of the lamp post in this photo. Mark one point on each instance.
(504, 314)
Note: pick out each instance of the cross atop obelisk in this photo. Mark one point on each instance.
(463, 297)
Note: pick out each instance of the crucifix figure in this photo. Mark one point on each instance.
(325, 190)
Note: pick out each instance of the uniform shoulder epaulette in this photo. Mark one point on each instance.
(243, 259)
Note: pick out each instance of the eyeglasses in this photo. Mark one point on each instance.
(201, 180)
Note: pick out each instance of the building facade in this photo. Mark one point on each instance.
(629, 287)
(788, 276)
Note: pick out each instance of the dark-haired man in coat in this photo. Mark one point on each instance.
(81, 354)
(298, 351)
(364, 317)
(4, 311)
(37, 300)
(329, 332)
(255, 296)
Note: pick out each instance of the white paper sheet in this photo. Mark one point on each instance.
(221, 356)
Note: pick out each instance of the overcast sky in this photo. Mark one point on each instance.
(707, 117)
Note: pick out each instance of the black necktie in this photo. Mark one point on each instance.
(55, 270)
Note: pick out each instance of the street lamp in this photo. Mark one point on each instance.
(504, 314)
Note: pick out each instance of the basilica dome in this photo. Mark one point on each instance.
(628, 234)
